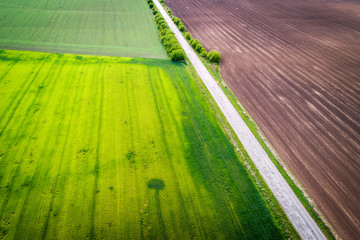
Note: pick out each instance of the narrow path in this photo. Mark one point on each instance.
(299, 217)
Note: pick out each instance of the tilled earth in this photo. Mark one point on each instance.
(295, 65)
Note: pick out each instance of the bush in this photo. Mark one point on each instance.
(168, 43)
(175, 46)
(203, 53)
(162, 1)
(198, 48)
(214, 56)
(182, 28)
(162, 26)
(176, 20)
(155, 12)
(151, 5)
(167, 37)
(177, 55)
(149, 1)
(193, 42)
(187, 36)
(157, 19)
(165, 31)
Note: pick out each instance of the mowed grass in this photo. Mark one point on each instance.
(111, 28)
(117, 148)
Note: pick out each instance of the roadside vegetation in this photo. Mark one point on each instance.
(167, 37)
(213, 56)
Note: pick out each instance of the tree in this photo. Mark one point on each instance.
(182, 28)
(198, 48)
(214, 56)
(177, 55)
(176, 20)
(203, 53)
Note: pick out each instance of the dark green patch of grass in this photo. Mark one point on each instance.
(131, 155)
(157, 184)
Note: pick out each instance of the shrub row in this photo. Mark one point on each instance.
(213, 56)
(178, 22)
(167, 37)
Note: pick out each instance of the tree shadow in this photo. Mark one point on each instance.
(158, 185)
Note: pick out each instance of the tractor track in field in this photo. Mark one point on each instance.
(297, 214)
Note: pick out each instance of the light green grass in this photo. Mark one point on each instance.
(117, 148)
(114, 28)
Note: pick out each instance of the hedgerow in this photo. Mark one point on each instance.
(167, 37)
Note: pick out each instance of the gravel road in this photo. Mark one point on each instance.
(299, 217)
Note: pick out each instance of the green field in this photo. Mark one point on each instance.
(97, 27)
(117, 148)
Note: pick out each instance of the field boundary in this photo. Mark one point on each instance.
(298, 215)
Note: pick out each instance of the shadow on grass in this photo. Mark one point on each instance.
(158, 185)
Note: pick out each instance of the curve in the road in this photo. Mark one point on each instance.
(297, 214)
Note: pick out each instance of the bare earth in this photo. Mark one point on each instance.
(297, 214)
(295, 65)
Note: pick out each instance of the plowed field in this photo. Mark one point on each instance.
(295, 65)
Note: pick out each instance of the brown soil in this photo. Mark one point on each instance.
(295, 65)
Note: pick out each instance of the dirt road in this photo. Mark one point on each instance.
(295, 66)
(299, 217)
